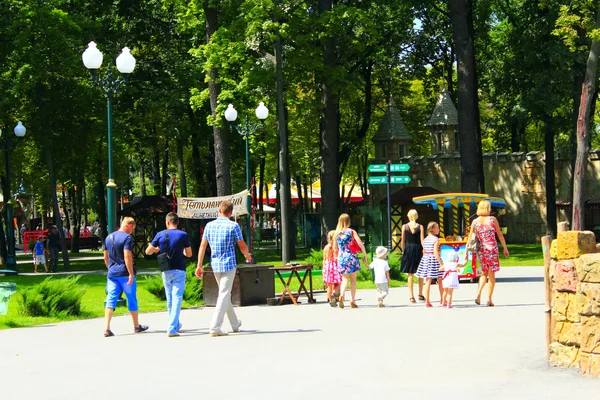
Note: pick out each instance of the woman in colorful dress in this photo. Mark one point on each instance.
(345, 245)
(412, 251)
(331, 274)
(486, 228)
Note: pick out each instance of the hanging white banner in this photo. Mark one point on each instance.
(208, 207)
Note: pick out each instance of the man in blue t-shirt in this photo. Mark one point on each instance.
(177, 245)
(118, 258)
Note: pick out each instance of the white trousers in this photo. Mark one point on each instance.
(225, 283)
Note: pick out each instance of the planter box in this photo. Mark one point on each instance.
(252, 285)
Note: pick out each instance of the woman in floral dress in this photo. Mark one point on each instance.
(348, 263)
(486, 228)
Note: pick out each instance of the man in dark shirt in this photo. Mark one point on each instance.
(53, 247)
(118, 258)
(177, 248)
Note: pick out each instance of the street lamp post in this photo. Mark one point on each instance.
(246, 129)
(8, 146)
(92, 59)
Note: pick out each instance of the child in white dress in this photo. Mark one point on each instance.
(450, 278)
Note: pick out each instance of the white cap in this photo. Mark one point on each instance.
(381, 251)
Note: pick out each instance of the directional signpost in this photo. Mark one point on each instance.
(388, 180)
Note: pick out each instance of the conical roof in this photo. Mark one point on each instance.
(444, 112)
(391, 125)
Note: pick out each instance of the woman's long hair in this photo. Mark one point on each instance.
(343, 224)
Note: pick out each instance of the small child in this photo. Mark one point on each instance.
(39, 256)
(429, 267)
(331, 274)
(382, 274)
(450, 279)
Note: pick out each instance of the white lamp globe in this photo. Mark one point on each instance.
(230, 113)
(92, 57)
(20, 129)
(125, 61)
(262, 112)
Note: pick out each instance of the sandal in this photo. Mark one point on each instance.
(140, 328)
(477, 301)
(490, 304)
(341, 302)
(353, 305)
(421, 297)
(108, 333)
(412, 300)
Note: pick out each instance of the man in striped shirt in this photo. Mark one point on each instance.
(222, 234)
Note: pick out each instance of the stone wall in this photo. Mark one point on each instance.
(519, 178)
(575, 302)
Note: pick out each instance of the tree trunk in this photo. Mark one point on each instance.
(155, 180)
(471, 157)
(63, 194)
(57, 220)
(165, 168)
(181, 166)
(584, 121)
(223, 176)
(298, 182)
(288, 238)
(550, 177)
(3, 243)
(329, 133)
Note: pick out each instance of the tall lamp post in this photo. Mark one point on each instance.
(92, 59)
(246, 129)
(8, 145)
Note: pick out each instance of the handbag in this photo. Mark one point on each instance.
(353, 246)
(164, 258)
(473, 242)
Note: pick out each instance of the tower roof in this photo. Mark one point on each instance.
(444, 112)
(391, 125)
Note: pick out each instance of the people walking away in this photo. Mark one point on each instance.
(40, 254)
(429, 267)
(331, 274)
(412, 251)
(347, 244)
(450, 278)
(486, 228)
(222, 235)
(382, 274)
(118, 258)
(175, 245)
(22, 234)
(53, 247)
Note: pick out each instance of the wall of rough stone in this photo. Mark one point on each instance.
(575, 308)
(519, 178)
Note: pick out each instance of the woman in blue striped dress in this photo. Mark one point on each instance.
(429, 267)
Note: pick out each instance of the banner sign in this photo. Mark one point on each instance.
(208, 207)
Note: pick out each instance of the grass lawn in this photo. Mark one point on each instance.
(29, 256)
(523, 255)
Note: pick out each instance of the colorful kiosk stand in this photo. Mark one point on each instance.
(455, 213)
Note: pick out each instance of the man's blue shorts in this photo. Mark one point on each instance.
(118, 284)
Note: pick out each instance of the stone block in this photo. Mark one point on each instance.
(564, 278)
(572, 244)
(588, 268)
(562, 355)
(554, 249)
(584, 362)
(568, 333)
(594, 369)
(588, 299)
(572, 312)
(590, 335)
(560, 304)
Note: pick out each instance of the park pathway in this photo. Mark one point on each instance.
(309, 351)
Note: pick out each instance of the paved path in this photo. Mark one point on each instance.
(308, 352)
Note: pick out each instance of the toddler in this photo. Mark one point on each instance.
(450, 278)
(382, 274)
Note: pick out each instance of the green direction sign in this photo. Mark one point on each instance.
(393, 168)
(400, 179)
(381, 180)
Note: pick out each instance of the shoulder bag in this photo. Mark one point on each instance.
(164, 258)
(353, 246)
(473, 242)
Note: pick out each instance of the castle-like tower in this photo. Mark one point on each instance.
(392, 140)
(444, 126)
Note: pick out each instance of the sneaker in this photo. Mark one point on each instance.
(443, 304)
(140, 328)
(449, 305)
(173, 334)
(236, 330)
(379, 302)
(334, 301)
(428, 305)
(218, 333)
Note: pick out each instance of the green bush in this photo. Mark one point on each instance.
(31, 245)
(193, 286)
(57, 298)
(365, 273)
(315, 258)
